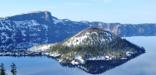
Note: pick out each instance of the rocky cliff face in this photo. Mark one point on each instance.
(128, 29)
(23, 31)
(26, 30)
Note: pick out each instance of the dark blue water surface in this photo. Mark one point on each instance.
(142, 65)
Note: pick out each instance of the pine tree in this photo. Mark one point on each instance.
(13, 69)
(2, 70)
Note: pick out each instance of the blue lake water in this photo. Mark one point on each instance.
(142, 65)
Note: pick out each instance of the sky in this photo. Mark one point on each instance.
(109, 11)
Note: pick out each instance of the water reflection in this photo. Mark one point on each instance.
(98, 67)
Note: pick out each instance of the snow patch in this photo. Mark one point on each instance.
(129, 53)
(40, 48)
(54, 54)
(4, 37)
(74, 62)
(57, 21)
(80, 59)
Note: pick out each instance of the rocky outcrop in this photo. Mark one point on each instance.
(94, 44)
(94, 50)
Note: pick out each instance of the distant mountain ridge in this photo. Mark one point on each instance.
(25, 30)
